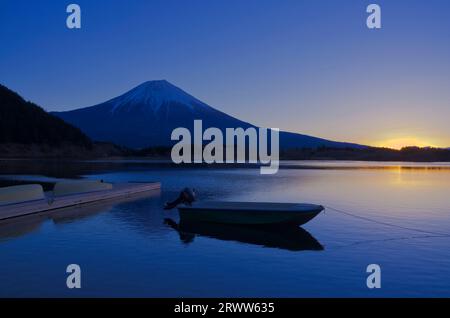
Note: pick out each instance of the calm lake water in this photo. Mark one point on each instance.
(400, 219)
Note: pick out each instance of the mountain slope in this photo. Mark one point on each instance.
(23, 122)
(146, 115)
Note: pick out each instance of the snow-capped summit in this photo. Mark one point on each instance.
(146, 115)
(151, 95)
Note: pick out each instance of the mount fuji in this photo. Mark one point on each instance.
(146, 115)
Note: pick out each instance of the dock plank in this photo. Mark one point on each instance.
(31, 207)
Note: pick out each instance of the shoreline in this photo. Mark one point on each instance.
(163, 160)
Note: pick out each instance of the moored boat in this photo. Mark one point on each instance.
(249, 212)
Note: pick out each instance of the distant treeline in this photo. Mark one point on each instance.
(159, 151)
(326, 153)
(25, 123)
(368, 154)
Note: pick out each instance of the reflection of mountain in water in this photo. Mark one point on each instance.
(288, 237)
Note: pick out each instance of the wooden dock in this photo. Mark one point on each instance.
(60, 202)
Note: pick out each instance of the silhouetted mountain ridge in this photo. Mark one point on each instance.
(146, 115)
(26, 123)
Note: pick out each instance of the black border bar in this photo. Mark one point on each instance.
(285, 306)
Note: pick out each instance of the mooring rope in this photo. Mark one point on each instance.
(385, 223)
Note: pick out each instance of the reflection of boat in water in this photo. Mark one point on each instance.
(68, 215)
(16, 227)
(288, 237)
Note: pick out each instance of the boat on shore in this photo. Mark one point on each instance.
(250, 213)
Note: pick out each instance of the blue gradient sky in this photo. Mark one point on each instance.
(305, 66)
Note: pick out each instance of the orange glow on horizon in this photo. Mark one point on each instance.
(399, 143)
